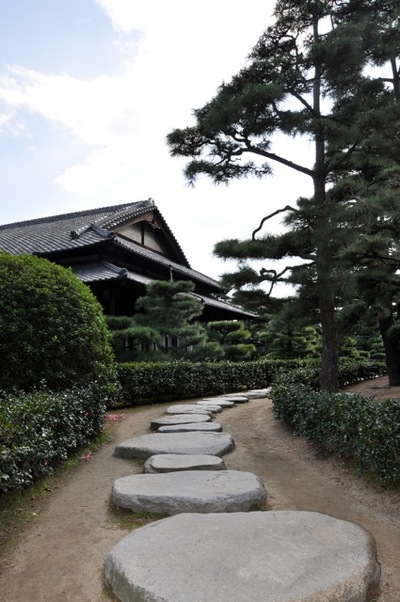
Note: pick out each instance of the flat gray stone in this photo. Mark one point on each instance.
(214, 444)
(236, 398)
(223, 403)
(175, 462)
(190, 491)
(214, 408)
(179, 419)
(257, 393)
(186, 409)
(276, 556)
(219, 400)
(210, 427)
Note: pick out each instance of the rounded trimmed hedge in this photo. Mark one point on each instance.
(52, 328)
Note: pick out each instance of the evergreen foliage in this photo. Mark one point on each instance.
(233, 338)
(312, 75)
(38, 430)
(52, 329)
(164, 326)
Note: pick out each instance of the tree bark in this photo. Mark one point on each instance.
(392, 352)
(328, 379)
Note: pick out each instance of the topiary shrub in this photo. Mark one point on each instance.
(52, 328)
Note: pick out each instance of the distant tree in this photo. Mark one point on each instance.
(130, 341)
(169, 309)
(233, 337)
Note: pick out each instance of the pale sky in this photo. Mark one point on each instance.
(89, 89)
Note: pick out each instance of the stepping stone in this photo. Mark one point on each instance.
(214, 444)
(236, 398)
(224, 403)
(210, 427)
(278, 556)
(175, 462)
(190, 491)
(210, 407)
(219, 400)
(187, 409)
(258, 393)
(179, 419)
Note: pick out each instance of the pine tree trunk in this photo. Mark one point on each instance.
(392, 352)
(328, 378)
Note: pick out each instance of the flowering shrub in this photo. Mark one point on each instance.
(39, 429)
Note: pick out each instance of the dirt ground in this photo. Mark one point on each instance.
(58, 557)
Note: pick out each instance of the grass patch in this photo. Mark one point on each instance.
(127, 520)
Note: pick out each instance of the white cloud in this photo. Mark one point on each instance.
(175, 54)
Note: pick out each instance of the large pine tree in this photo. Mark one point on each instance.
(304, 79)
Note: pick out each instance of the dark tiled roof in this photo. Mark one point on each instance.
(176, 268)
(83, 229)
(217, 303)
(104, 271)
(73, 230)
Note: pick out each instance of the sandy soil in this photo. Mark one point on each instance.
(59, 556)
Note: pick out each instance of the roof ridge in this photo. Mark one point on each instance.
(125, 211)
(61, 216)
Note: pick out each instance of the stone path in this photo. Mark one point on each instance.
(325, 558)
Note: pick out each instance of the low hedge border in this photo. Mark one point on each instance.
(38, 430)
(145, 382)
(357, 429)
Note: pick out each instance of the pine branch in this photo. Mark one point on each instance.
(297, 167)
(264, 219)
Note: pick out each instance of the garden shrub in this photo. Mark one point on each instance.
(52, 328)
(361, 430)
(39, 429)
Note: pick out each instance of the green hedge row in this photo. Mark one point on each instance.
(38, 430)
(141, 383)
(350, 372)
(357, 429)
(155, 382)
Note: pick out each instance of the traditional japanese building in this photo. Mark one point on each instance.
(117, 251)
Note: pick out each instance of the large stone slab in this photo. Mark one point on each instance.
(210, 427)
(156, 423)
(191, 408)
(177, 462)
(190, 491)
(277, 556)
(214, 444)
